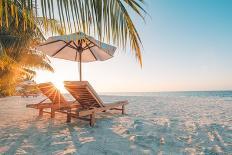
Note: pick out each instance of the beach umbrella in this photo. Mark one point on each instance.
(77, 47)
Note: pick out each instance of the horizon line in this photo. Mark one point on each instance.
(170, 91)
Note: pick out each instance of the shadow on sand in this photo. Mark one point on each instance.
(47, 136)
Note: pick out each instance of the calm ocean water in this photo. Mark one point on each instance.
(177, 93)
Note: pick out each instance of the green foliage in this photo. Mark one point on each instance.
(17, 61)
(22, 29)
(110, 20)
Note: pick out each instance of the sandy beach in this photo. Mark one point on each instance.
(153, 125)
(169, 59)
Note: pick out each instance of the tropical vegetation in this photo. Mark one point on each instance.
(23, 24)
(17, 59)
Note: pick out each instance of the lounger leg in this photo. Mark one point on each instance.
(92, 119)
(52, 113)
(68, 115)
(40, 112)
(123, 109)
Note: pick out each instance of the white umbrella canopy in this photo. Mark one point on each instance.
(77, 47)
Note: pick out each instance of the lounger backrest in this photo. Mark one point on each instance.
(83, 92)
(49, 90)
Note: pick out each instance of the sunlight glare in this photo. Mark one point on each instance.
(59, 85)
(55, 78)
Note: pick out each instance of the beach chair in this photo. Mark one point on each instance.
(89, 100)
(57, 101)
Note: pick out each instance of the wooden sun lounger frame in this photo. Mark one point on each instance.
(120, 105)
(51, 105)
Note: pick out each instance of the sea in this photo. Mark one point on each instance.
(162, 123)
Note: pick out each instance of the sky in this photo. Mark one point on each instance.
(187, 46)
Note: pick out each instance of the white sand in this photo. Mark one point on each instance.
(154, 125)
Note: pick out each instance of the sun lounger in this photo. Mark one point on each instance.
(90, 102)
(57, 101)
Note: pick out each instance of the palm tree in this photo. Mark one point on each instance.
(21, 29)
(110, 20)
(19, 66)
(17, 61)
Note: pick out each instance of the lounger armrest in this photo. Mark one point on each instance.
(39, 105)
(101, 109)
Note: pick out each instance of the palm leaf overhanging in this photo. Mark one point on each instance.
(110, 20)
(17, 61)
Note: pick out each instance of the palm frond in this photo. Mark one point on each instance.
(110, 20)
(36, 61)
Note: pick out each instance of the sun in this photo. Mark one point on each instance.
(56, 79)
(59, 84)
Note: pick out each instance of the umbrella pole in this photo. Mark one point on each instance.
(80, 69)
